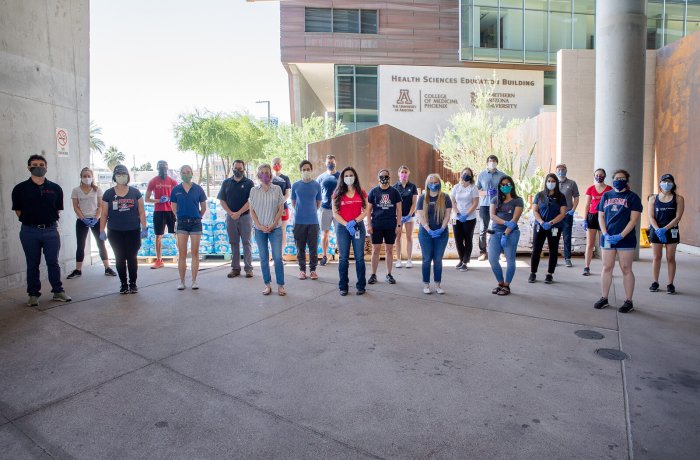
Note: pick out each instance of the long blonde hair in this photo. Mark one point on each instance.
(93, 185)
(440, 203)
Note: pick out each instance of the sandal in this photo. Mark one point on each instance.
(267, 290)
(302, 275)
(281, 292)
(505, 290)
(497, 289)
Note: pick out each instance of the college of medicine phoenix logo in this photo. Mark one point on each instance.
(404, 102)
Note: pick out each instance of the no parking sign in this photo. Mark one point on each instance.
(62, 142)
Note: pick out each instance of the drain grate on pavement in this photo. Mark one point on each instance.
(590, 335)
(610, 353)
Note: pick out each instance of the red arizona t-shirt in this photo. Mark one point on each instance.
(595, 197)
(350, 208)
(161, 187)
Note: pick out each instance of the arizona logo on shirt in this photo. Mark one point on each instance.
(615, 202)
(385, 200)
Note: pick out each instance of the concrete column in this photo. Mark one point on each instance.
(620, 44)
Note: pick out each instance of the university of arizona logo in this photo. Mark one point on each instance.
(385, 201)
(404, 98)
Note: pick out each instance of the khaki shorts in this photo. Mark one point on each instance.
(325, 217)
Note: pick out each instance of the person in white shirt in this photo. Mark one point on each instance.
(465, 204)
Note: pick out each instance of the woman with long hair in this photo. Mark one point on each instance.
(189, 205)
(549, 210)
(349, 203)
(409, 198)
(434, 209)
(593, 195)
(665, 212)
(506, 209)
(465, 200)
(86, 204)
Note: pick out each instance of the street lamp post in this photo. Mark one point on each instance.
(268, 109)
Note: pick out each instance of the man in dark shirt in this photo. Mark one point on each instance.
(283, 182)
(37, 202)
(233, 197)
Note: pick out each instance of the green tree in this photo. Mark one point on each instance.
(112, 156)
(96, 142)
(144, 167)
(200, 132)
(243, 138)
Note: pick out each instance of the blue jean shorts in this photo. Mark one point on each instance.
(189, 226)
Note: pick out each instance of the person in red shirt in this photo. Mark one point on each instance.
(593, 195)
(158, 192)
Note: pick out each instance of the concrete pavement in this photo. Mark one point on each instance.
(224, 372)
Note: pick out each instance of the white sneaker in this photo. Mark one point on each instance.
(194, 284)
(409, 263)
(181, 286)
(426, 290)
(439, 290)
(398, 264)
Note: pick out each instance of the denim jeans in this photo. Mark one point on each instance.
(432, 250)
(34, 240)
(274, 238)
(568, 224)
(485, 216)
(509, 250)
(358, 248)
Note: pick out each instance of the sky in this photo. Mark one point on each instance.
(151, 60)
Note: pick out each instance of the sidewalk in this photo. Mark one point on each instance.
(224, 372)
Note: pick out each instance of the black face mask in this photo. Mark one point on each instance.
(384, 180)
(38, 171)
(237, 173)
(466, 178)
(162, 172)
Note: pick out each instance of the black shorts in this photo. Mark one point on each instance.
(161, 219)
(592, 221)
(670, 239)
(383, 235)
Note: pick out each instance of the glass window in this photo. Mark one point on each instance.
(345, 69)
(366, 70)
(536, 31)
(673, 30)
(584, 31)
(560, 6)
(692, 24)
(655, 25)
(559, 31)
(512, 4)
(488, 26)
(486, 2)
(318, 20)
(584, 6)
(368, 21)
(536, 5)
(550, 88)
(512, 31)
(346, 21)
(366, 99)
(345, 99)
(357, 96)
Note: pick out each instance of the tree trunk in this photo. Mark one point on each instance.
(208, 177)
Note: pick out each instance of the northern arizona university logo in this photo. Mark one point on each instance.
(404, 98)
(404, 102)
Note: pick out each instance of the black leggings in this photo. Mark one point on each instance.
(81, 233)
(126, 245)
(552, 243)
(464, 236)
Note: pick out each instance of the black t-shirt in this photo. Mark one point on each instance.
(235, 194)
(407, 193)
(384, 206)
(284, 183)
(39, 203)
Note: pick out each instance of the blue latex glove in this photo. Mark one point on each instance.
(570, 212)
(661, 234)
(103, 236)
(614, 239)
(585, 226)
(492, 192)
(351, 225)
(510, 224)
(405, 219)
(504, 240)
(437, 233)
(86, 221)
(95, 220)
(461, 217)
(164, 199)
(546, 225)
(144, 232)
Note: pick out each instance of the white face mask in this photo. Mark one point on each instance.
(306, 175)
(349, 180)
(551, 185)
(86, 180)
(121, 179)
(492, 165)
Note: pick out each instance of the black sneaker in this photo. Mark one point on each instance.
(133, 289)
(654, 287)
(324, 261)
(124, 289)
(343, 293)
(390, 279)
(670, 289)
(464, 268)
(602, 303)
(549, 279)
(626, 307)
(586, 271)
(110, 272)
(459, 265)
(532, 278)
(74, 274)
(372, 279)
(360, 291)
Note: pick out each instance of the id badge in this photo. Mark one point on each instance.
(674, 233)
(555, 231)
(115, 205)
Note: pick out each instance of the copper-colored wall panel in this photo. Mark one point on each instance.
(677, 137)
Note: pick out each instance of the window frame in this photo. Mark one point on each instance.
(359, 11)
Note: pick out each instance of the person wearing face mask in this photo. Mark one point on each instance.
(285, 184)
(569, 189)
(506, 209)
(306, 200)
(384, 223)
(86, 204)
(665, 212)
(124, 216)
(329, 182)
(465, 200)
(189, 205)
(618, 213)
(433, 210)
(349, 210)
(409, 198)
(233, 197)
(487, 183)
(549, 210)
(159, 191)
(37, 203)
(593, 195)
(266, 207)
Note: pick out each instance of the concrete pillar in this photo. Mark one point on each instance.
(620, 44)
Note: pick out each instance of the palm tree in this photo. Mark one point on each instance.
(96, 143)
(112, 156)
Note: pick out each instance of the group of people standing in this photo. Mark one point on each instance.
(336, 199)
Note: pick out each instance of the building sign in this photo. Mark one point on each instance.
(61, 142)
(420, 100)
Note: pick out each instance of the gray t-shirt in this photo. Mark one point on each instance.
(570, 191)
(505, 211)
(87, 202)
(488, 180)
(265, 204)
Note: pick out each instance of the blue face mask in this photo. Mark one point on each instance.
(620, 184)
(466, 177)
(434, 187)
(666, 186)
(506, 188)
(551, 185)
(330, 166)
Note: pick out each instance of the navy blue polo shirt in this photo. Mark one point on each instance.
(236, 193)
(328, 183)
(188, 202)
(39, 204)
